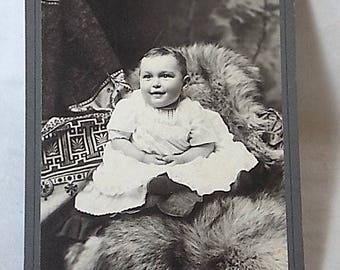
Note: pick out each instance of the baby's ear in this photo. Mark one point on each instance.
(186, 80)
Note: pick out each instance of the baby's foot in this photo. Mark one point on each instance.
(179, 204)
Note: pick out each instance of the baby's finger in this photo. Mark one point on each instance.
(168, 158)
(160, 162)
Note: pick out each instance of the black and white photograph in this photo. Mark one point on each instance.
(162, 143)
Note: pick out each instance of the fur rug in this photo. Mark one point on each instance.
(225, 233)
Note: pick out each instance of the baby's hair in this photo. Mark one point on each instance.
(160, 51)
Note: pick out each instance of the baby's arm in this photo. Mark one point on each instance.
(203, 150)
(131, 150)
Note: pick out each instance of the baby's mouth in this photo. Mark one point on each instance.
(157, 93)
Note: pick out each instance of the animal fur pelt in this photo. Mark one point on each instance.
(226, 82)
(225, 233)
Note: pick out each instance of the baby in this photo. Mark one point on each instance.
(158, 131)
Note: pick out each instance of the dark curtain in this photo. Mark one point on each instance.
(76, 55)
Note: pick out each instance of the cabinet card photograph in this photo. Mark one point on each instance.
(162, 135)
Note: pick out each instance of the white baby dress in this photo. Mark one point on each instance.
(119, 183)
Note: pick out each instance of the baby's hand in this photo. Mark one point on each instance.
(174, 159)
(153, 159)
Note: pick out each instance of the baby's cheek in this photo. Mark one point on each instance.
(142, 87)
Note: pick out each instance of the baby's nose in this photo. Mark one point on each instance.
(156, 84)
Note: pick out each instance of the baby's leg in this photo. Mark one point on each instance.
(163, 185)
(171, 198)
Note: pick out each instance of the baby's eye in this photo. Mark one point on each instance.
(166, 75)
(146, 76)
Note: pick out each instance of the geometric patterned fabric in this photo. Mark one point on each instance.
(71, 149)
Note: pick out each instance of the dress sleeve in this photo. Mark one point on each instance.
(122, 122)
(201, 131)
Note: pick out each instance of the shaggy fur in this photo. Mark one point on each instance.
(225, 233)
(226, 82)
(144, 242)
(237, 234)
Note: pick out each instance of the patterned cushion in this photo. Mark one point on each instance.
(71, 150)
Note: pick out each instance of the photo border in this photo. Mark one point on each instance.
(291, 141)
(33, 134)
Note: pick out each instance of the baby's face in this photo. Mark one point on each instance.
(161, 80)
